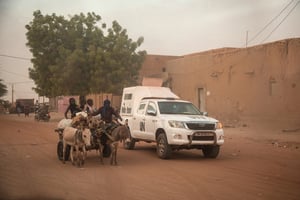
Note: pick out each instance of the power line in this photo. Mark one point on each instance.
(254, 37)
(13, 73)
(280, 22)
(15, 57)
(13, 88)
(20, 82)
(24, 92)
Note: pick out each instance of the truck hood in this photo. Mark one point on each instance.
(189, 118)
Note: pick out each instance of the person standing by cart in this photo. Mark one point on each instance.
(73, 108)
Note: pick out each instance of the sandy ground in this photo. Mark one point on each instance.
(259, 160)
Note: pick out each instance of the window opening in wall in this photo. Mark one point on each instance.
(273, 87)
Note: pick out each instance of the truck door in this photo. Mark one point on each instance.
(150, 121)
(138, 127)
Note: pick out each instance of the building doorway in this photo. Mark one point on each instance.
(201, 99)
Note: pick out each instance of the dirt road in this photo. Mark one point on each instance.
(258, 161)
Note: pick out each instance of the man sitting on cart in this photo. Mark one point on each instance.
(107, 112)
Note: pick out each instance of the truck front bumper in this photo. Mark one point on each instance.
(188, 137)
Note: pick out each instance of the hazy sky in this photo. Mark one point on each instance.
(169, 27)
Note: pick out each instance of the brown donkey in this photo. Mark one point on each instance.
(118, 134)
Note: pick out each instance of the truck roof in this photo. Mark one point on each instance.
(150, 91)
(133, 95)
(167, 98)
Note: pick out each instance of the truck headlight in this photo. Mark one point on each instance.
(219, 125)
(176, 124)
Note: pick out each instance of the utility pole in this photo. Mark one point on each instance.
(12, 93)
(13, 88)
(246, 39)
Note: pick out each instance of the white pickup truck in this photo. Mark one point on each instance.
(155, 114)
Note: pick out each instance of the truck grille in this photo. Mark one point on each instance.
(201, 138)
(200, 126)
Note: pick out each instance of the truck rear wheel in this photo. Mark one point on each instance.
(129, 143)
(163, 149)
(211, 151)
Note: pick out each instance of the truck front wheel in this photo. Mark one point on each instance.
(163, 149)
(211, 151)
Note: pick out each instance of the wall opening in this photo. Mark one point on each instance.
(273, 87)
(201, 99)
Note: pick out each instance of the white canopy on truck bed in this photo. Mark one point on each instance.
(133, 95)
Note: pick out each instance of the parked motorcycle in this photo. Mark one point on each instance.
(42, 114)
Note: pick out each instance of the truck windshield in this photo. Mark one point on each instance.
(170, 107)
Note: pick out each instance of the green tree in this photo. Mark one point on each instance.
(77, 56)
(3, 88)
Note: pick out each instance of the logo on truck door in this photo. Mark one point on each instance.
(142, 126)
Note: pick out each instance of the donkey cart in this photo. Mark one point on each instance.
(94, 142)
